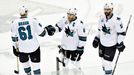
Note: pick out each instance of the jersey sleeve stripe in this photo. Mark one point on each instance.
(43, 33)
(122, 33)
(14, 39)
(82, 38)
(58, 28)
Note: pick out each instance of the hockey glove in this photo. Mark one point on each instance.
(50, 29)
(60, 49)
(120, 47)
(15, 52)
(96, 42)
(80, 50)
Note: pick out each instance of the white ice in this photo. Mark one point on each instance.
(49, 12)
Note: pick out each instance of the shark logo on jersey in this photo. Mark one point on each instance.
(102, 20)
(69, 32)
(66, 22)
(106, 29)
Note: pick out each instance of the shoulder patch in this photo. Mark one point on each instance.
(118, 18)
(102, 20)
(66, 22)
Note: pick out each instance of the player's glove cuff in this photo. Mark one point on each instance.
(80, 48)
(96, 42)
(15, 52)
(50, 29)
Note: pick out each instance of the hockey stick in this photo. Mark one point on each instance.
(58, 60)
(59, 46)
(17, 71)
(120, 52)
(128, 23)
(76, 58)
(116, 63)
(57, 64)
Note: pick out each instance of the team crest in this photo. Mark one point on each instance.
(66, 22)
(106, 30)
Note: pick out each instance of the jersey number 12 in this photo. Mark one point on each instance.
(23, 34)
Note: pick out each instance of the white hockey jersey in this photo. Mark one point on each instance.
(25, 30)
(110, 31)
(76, 36)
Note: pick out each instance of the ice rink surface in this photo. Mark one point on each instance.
(51, 11)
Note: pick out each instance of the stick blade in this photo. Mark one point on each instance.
(15, 71)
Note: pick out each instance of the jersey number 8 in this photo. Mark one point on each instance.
(22, 33)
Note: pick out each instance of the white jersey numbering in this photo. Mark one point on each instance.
(25, 30)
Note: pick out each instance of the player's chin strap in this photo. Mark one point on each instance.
(120, 52)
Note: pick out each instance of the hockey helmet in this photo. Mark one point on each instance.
(23, 10)
(108, 5)
(72, 11)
